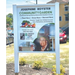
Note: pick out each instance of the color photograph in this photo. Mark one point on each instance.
(45, 40)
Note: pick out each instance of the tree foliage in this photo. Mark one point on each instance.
(9, 19)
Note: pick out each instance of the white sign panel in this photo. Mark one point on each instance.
(36, 23)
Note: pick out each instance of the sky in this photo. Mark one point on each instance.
(9, 3)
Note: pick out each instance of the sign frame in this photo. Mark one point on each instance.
(16, 50)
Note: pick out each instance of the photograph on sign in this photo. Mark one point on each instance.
(36, 28)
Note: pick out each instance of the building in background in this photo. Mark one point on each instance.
(63, 14)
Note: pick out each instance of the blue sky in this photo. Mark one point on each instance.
(9, 3)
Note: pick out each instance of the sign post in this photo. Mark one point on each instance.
(36, 27)
(57, 37)
(16, 54)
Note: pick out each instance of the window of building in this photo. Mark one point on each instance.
(66, 18)
(66, 8)
(60, 18)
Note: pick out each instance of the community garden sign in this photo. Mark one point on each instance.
(36, 30)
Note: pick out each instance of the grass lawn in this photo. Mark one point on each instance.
(49, 59)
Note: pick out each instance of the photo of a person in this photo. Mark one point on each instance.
(42, 40)
(44, 44)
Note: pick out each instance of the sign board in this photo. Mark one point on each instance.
(36, 29)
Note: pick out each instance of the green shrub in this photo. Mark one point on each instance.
(62, 70)
(37, 64)
(22, 61)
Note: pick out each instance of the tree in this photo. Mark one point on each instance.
(9, 19)
(10, 15)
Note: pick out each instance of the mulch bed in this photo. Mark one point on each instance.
(27, 70)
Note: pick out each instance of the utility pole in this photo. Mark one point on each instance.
(55, 0)
(36, 1)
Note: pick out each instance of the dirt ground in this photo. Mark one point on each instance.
(27, 70)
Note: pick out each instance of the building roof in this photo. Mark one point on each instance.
(60, 1)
